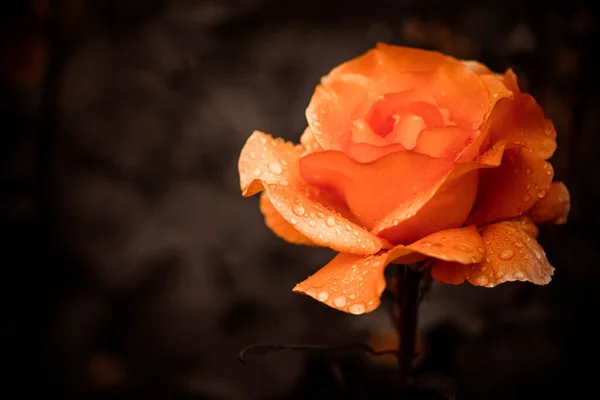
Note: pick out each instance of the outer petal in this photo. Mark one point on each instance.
(511, 189)
(271, 164)
(354, 284)
(279, 225)
(555, 207)
(512, 254)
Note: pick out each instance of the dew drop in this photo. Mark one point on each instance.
(252, 155)
(506, 254)
(541, 194)
(488, 260)
(320, 215)
(357, 308)
(312, 223)
(263, 140)
(538, 255)
(480, 249)
(298, 210)
(340, 301)
(257, 172)
(330, 221)
(348, 227)
(275, 168)
(482, 280)
(323, 296)
(527, 198)
(427, 244)
(395, 222)
(473, 259)
(352, 296)
(338, 231)
(293, 221)
(518, 245)
(548, 172)
(519, 275)
(463, 247)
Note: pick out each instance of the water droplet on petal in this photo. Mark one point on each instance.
(538, 255)
(506, 254)
(330, 221)
(480, 249)
(518, 245)
(463, 247)
(312, 223)
(526, 198)
(482, 280)
(252, 155)
(257, 172)
(395, 222)
(323, 296)
(293, 221)
(518, 275)
(340, 301)
(275, 168)
(357, 308)
(320, 215)
(541, 194)
(348, 228)
(298, 210)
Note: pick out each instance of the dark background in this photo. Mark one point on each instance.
(133, 268)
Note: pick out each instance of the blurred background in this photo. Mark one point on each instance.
(133, 268)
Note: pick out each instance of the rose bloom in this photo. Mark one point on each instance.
(412, 155)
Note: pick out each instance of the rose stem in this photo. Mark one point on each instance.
(407, 301)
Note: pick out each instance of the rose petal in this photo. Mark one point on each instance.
(271, 164)
(555, 207)
(462, 245)
(511, 189)
(522, 121)
(348, 283)
(354, 284)
(445, 142)
(445, 205)
(279, 225)
(332, 108)
(309, 142)
(512, 255)
(385, 61)
(373, 190)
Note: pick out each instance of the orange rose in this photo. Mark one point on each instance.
(412, 155)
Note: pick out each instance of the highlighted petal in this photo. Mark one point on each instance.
(512, 254)
(555, 207)
(354, 284)
(511, 189)
(279, 225)
(271, 165)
